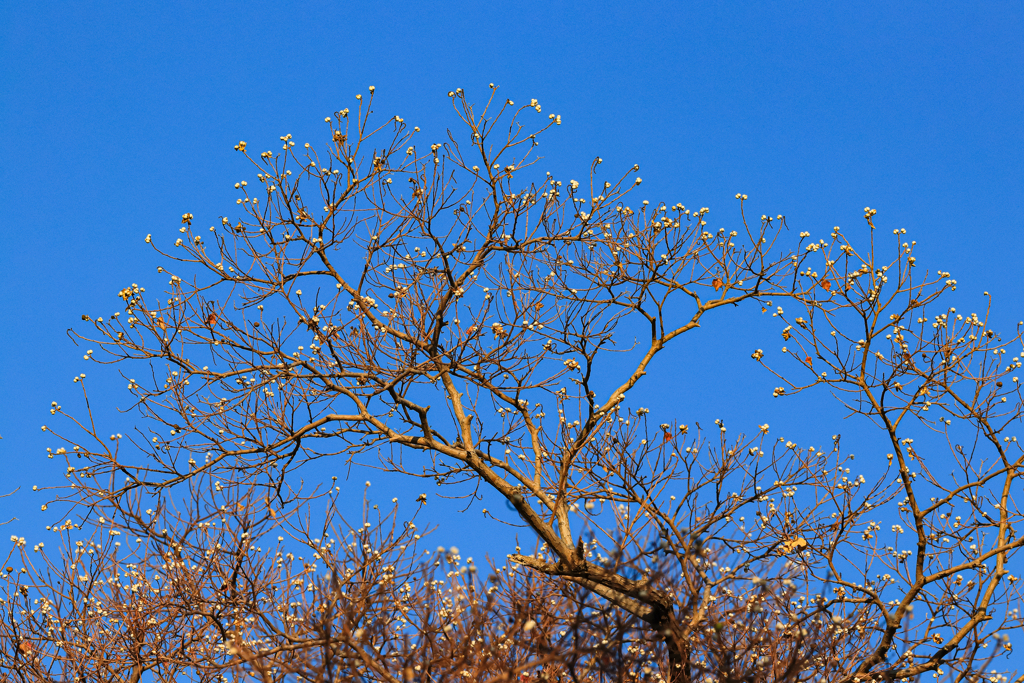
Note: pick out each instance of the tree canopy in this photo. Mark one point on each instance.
(446, 311)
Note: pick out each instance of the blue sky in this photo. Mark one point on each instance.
(121, 117)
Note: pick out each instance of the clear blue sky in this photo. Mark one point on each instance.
(121, 117)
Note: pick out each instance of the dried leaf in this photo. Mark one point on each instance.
(825, 284)
(717, 283)
(792, 545)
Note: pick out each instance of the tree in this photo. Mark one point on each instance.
(449, 313)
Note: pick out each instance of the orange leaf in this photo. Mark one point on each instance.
(717, 283)
(792, 545)
(211, 320)
(668, 436)
(825, 284)
(808, 361)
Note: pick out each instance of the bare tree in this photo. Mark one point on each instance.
(443, 310)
